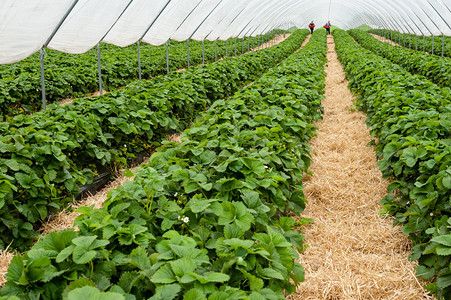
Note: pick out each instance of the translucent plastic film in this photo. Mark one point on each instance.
(76, 26)
(25, 26)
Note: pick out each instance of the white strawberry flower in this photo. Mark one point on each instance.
(186, 219)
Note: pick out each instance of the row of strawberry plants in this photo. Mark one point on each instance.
(44, 157)
(435, 68)
(416, 41)
(69, 76)
(411, 119)
(203, 218)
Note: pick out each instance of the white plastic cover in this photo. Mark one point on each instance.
(75, 26)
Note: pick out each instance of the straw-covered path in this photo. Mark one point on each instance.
(353, 253)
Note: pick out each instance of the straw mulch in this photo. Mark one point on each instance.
(5, 259)
(383, 39)
(353, 253)
(307, 39)
(70, 100)
(279, 38)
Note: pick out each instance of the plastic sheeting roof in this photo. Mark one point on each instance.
(76, 26)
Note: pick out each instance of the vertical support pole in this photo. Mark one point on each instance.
(99, 69)
(410, 41)
(416, 42)
(253, 43)
(203, 51)
(139, 61)
(235, 45)
(424, 43)
(248, 44)
(242, 46)
(167, 56)
(443, 44)
(216, 50)
(44, 100)
(226, 47)
(432, 44)
(187, 50)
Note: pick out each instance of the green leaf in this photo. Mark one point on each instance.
(444, 281)
(166, 292)
(409, 156)
(424, 272)
(139, 258)
(194, 294)
(197, 204)
(78, 284)
(89, 292)
(443, 240)
(442, 250)
(218, 295)
(250, 197)
(183, 266)
(216, 277)
(15, 269)
(235, 243)
(65, 253)
(298, 273)
(255, 283)
(254, 165)
(164, 275)
(232, 231)
(37, 269)
(81, 256)
(271, 273)
(446, 181)
(12, 164)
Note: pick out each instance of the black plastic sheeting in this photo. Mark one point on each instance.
(106, 175)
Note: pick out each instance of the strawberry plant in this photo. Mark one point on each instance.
(69, 75)
(205, 218)
(437, 69)
(45, 157)
(408, 40)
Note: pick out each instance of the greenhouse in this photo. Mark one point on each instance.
(225, 149)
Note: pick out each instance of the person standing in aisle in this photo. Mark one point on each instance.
(311, 26)
(327, 26)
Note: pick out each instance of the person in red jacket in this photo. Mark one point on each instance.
(327, 26)
(311, 26)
